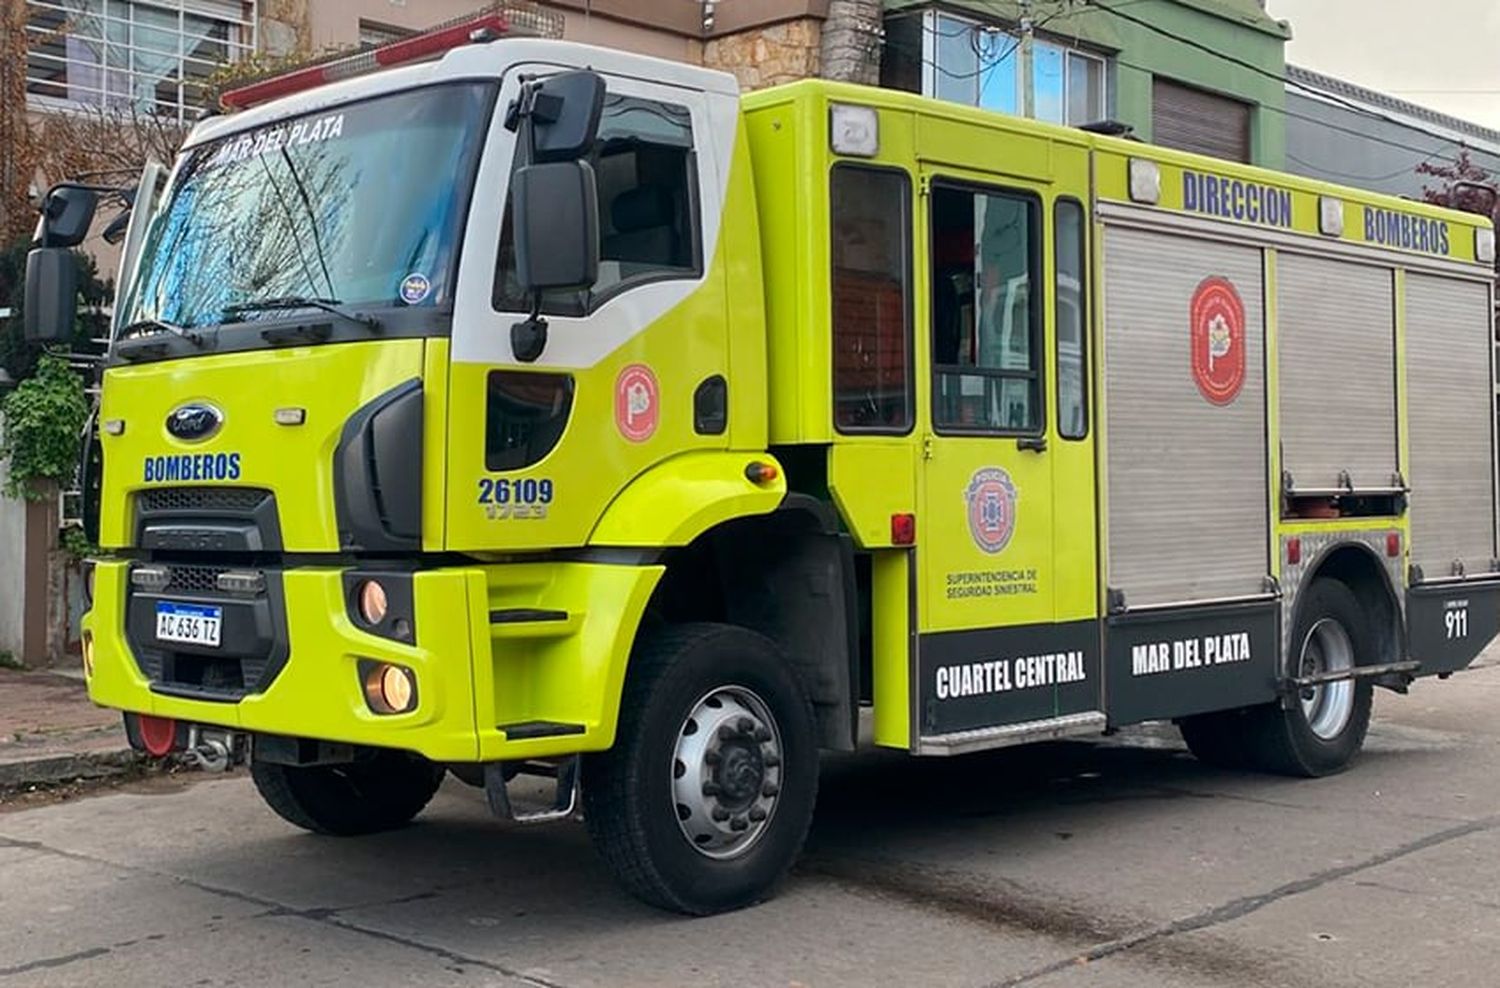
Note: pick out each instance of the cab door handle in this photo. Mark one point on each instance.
(1034, 444)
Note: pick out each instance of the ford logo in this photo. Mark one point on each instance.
(194, 422)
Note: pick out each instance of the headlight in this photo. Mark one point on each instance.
(372, 601)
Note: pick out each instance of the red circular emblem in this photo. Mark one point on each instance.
(1218, 321)
(637, 403)
(992, 508)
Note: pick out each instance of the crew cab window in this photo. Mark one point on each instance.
(646, 173)
(1072, 320)
(871, 296)
(986, 317)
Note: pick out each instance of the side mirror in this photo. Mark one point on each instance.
(565, 113)
(67, 214)
(51, 305)
(556, 216)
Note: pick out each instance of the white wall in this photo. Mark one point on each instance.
(12, 570)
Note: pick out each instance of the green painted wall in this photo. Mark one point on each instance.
(1238, 28)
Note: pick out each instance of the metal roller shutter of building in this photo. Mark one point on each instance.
(1336, 322)
(1193, 120)
(1188, 507)
(1449, 414)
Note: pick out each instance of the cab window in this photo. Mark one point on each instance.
(646, 173)
(986, 315)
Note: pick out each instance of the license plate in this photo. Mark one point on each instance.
(191, 624)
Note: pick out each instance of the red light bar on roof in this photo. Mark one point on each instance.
(413, 49)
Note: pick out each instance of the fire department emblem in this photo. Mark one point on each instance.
(1218, 340)
(637, 403)
(992, 509)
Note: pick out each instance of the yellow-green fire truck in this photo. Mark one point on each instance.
(552, 410)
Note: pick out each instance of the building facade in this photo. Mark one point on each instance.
(1202, 75)
(1343, 133)
(160, 56)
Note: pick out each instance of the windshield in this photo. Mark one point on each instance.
(359, 205)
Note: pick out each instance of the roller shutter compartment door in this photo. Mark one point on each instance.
(1184, 418)
(1450, 415)
(1190, 119)
(1336, 350)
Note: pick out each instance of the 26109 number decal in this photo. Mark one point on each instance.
(504, 498)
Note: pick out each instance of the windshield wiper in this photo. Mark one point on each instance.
(157, 326)
(331, 305)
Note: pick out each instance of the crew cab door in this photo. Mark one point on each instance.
(1006, 579)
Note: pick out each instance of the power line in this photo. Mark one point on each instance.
(1326, 124)
(1251, 66)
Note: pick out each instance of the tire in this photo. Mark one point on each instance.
(1218, 739)
(1308, 740)
(380, 791)
(702, 808)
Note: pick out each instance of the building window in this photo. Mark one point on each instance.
(982, 65)
(1191, 119)
(135, 55)
(373, 34)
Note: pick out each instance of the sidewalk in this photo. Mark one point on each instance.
(50, 732)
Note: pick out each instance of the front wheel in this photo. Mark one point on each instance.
(377, 791)
(704, 801)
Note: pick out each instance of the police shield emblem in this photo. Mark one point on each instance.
(991, 499)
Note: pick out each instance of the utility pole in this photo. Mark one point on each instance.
(1028, 77)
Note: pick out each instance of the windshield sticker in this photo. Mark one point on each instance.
(273, 140)
(415, 288)
(637, 404)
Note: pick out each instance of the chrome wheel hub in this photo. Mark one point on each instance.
(726, 772)
(1327, 706)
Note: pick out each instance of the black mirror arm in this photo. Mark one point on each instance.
(528, 338)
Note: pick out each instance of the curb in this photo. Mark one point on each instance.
(67, 766)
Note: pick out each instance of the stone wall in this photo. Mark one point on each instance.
(766, 56)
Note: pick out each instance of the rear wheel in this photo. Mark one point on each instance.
(1324, 728)
(378, 791)
(704, 801)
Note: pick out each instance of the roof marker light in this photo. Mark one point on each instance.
(445, 37)
(1145, 181)
(1331, 216)
(1484, 246)
(854, 130)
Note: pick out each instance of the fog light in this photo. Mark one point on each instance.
(88, 655)
(389, 689)
(372, 601)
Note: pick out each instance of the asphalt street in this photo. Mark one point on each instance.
(1119, 863)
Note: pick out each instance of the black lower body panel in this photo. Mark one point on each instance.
(1190, 660)
(1449, 624)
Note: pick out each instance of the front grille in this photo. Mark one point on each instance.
(253, 641)
(194, 579)
(202, 498)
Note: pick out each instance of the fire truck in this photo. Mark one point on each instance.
(539, 410)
